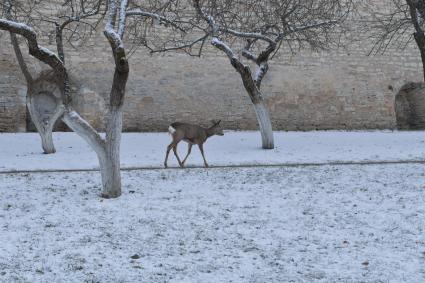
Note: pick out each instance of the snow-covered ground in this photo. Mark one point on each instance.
(357, 223)
(23, 151)
(346, 223)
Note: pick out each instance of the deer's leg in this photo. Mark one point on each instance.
(175, 153)
(168, 152)
(189, 149)
(201, 148)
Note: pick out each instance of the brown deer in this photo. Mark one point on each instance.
(192, 134)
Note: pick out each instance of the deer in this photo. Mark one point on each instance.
(192, 134)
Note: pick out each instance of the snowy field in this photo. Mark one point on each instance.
(23, 151)
(328, 223)
(357, 223)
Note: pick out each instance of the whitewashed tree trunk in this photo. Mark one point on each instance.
(252, 85)
(44, 129)
(44, 109)
(263, 118)
(107, 150)
(110, 164)
(44, 132)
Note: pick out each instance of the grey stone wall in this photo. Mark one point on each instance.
(344, 89)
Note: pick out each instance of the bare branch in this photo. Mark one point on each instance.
(250, 35)
(20, 58)
(183, 46)
(121, 62)
(160, 19)
(123, 15)
(16, 48)
(39, 52)
(84, 130)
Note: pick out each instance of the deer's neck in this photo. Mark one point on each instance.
(210, 132)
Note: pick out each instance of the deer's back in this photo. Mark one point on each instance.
(190, 131)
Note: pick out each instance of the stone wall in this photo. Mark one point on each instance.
(12, 95)
(344, 89)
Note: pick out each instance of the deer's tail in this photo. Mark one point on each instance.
(171, 130)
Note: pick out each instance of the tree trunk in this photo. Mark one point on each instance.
(420, 41)
(263, 118)
(111, 176)
(110, 164)
(107, 150)
(47, 142)
(44, 128)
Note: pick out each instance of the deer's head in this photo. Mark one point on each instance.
(216, 128)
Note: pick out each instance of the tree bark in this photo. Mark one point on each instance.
(44, 132)
(263, 118)
(44, 124)
(110, 164)
(107, 150)
(47, 142)
(261, 111)
(420, 41)
(252, 87)
(417, 13)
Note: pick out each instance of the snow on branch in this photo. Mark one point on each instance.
(123, 16)
(115, 38)
(241, 68)
(260, 73)
(223, 47)
(16, 47)
(109, 31)
(249, 55)
(121, 63)
(208, 18)
(41, 53)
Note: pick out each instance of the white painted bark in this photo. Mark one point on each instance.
(47, 108)
(45, 126)
(74, 121)
(263, 118)
(110, 166)
(107, 150)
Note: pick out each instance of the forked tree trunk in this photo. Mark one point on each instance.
(251, 85)
(263, 118)
(107, 150)
(47, 106)
(44, 128)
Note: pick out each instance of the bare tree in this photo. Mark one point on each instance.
(250, 33)
(396, 22)
(42, 92)
(107, 148)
